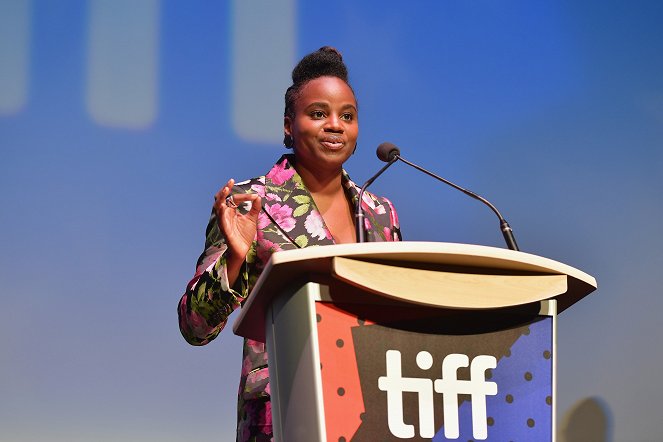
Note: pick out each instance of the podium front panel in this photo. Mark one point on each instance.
(356, 370)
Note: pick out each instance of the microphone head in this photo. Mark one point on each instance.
(387, 151)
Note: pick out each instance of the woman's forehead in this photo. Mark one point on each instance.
(330, 90)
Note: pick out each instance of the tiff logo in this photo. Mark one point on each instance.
(449, 386)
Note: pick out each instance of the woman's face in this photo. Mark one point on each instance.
(325, 128)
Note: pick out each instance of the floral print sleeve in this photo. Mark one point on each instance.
(208, 300)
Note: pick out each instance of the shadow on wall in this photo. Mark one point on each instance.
(588, 420)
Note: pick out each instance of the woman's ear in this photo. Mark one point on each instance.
(287, 126)
(287, 133)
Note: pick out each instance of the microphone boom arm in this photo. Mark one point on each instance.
(507, 232)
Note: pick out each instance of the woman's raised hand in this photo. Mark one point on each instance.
(239, 229)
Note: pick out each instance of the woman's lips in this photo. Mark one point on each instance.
(333, 143)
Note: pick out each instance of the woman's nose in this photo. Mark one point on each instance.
(334, 124)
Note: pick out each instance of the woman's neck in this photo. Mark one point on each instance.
(326, 188)
(321, 182)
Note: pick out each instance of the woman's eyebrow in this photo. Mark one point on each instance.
(326, 106)
(318, 104)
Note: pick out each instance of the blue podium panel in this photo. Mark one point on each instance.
(522, 408)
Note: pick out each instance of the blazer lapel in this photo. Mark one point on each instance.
(291, 206)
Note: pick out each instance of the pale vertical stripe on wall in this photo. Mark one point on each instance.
(14, 55)
(123, 62)
(263, 52)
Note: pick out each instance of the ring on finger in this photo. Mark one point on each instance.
(230, 202)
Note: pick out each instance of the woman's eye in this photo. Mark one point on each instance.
(347, 117)
(317, 114)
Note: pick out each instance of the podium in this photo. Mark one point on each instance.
(411, 341)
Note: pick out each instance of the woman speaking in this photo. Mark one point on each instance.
(305, 200)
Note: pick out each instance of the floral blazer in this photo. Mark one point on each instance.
(293, 221)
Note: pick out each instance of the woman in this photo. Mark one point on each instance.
(306, 199)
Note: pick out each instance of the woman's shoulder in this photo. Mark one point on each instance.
(279, 173)
(379, 198)
(380, 204)
(247, 184)
(375, 202)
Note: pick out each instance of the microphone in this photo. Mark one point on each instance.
(387, 151)
(390, 153)
(390, 156)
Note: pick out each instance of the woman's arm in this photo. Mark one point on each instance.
(212, 295)
(209, 297)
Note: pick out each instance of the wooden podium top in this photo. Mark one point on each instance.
(438, 275)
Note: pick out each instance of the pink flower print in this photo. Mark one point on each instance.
(387, 234)
(279, 174)
(212, 255)
(315, 226)
(394, 215)
(266, 413)
(367, 224)
(263, 220)
(282, 214)
(261, 375)
(255, 346)
(259, 189)
(265, 250)
(272, 197)
(247, 366)
(367, 202)
(197, 324)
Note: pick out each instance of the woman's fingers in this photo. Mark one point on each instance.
(239, 227)
(240, 198)
(220, 198)
(226, 204)
(223, 193)
(256, 205)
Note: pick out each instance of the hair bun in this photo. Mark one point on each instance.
(331, 49)
(326, 61)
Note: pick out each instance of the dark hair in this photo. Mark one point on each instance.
(325, 62)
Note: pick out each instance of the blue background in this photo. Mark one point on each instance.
(552, 109)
